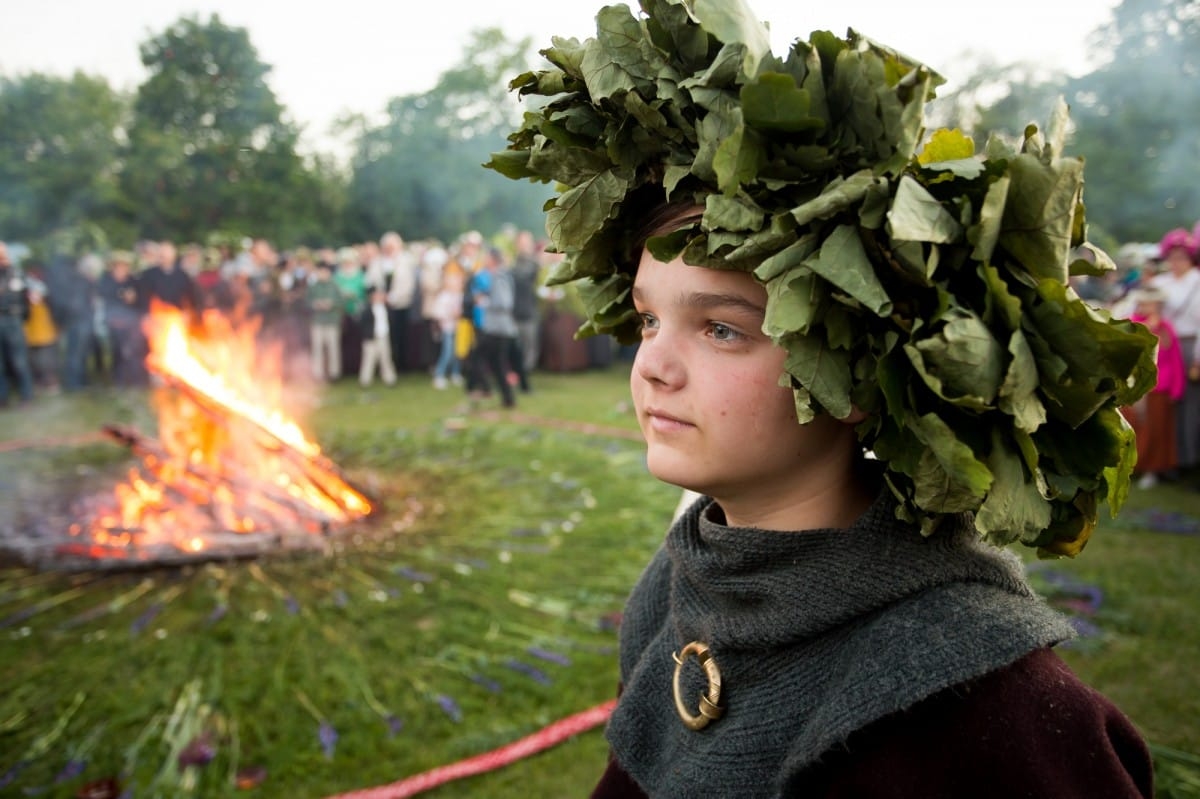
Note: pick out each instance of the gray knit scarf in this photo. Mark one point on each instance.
(816, 635)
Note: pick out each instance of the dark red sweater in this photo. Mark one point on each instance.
(1029, 730)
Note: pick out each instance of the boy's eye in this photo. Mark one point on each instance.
(648, 321)
(722, 332)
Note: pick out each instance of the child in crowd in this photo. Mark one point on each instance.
(1153, 416)
(41, 334)
(447, 312)
(867, 362)
(374, 326)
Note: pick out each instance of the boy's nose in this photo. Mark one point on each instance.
(658, 361)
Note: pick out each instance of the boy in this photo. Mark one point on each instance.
(807, 291)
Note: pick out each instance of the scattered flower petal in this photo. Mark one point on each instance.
(532, 672)
(395, 725)
(450, 708)
(328, 737)
(70, 771)
(10, 776)
(413, 574)
(487, 682)
(199, 752)
(143, 621)
(548, 655)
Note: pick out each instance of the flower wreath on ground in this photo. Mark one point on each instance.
(908, 276)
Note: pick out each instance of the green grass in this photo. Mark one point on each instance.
(502, 535)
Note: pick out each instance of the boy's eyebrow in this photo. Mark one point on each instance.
(707, 300)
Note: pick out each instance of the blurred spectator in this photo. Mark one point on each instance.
(14, 310)
(446, 312)
(73, 298)
(1153, 418)
(376, 340)
(325, 304)
(526, 274)
(1180, 283)
(492, 291)
(163, 281)
(350, 278)
(393, 268)
(122, 318)
(41, 334)
(212, 290)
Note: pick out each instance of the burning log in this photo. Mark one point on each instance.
(319, 471)
(274, 501)
(228, 476)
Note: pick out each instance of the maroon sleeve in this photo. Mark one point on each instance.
(1032, 729)
(616, 784)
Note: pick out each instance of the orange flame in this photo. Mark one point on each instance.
(229, 459)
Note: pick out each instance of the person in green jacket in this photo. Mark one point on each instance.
(326, 307)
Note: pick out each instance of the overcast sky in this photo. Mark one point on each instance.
(352, 55)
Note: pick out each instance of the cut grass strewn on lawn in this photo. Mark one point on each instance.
(479, 608)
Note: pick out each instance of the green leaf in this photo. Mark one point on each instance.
(1018, 394)
(916, 215)
(843, 262)
(991, 220)
(608, 60)
(950, 478)
(838, 196)
(793, 305)
(732, 22)
(774, 102)
(1117, 475)
(1039, 214)
(580, 212)
(962, 362)
(1014, 509)
(737, 159)
(824, 372)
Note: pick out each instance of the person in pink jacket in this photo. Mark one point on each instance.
(1153, 417)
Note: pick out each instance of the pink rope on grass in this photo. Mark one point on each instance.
(531, 744)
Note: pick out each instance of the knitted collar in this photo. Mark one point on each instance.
(745, 588)
(816, 634)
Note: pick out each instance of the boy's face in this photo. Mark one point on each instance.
(705, 383)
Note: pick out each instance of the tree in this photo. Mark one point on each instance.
(420, 170)
(210, 148)
(58, 152)
(1136, 120)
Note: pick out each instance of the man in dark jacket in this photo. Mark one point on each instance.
(14, 310)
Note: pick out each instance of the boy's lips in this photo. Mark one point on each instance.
(661, 421)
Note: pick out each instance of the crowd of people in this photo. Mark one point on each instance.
(466, 312)
(1163, 293)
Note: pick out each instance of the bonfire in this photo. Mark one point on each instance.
(230, 472)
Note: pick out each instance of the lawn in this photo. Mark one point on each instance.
(478, 607)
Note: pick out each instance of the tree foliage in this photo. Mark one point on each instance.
(205, 146)
(1137, 119)
(1134, 116)
(210, 147)
(59, 145)
(419, 170)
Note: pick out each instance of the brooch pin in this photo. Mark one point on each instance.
(709, 708)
